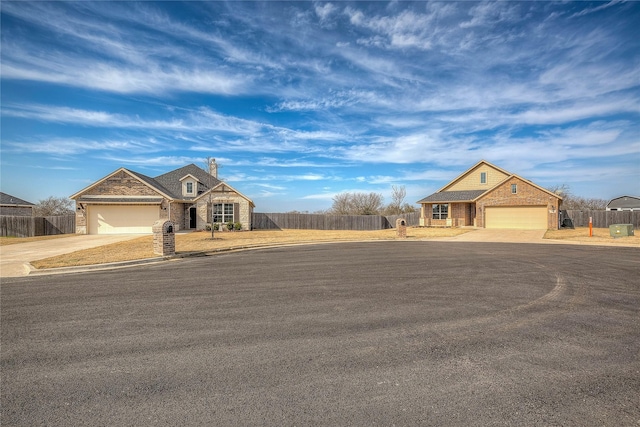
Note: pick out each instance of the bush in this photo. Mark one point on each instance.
(230, 226)
(237, 226)
(208, 227)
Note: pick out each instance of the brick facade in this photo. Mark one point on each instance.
(174, 207)
(483, 186)
(121, 184)
(527, 195)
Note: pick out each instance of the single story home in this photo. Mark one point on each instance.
(624, 203)
(130, 202)
(14, 206)
(487, 196)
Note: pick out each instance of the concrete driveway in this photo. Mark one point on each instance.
(15, 259)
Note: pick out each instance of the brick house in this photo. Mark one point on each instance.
(14, 206)
(130, 202)
(487, 196)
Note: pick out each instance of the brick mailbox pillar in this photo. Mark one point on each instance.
(164, 238)
(401, 228)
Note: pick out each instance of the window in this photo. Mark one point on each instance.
(514, 188)
(223, 212)
(440, 211)
(483, 177)
(189, 187)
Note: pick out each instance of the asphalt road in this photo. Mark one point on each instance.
(384, 333)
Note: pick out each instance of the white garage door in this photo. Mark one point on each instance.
(122, 219)
(520, 217)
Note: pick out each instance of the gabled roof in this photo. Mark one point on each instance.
(168, 185)
(462, 175)
(222, 186)
(531, 183)
(150, 182)
(8, 199)
(442, 196)
(171, 180)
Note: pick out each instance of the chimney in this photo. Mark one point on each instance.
(213, 168)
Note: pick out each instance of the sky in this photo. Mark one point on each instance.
(300, 101)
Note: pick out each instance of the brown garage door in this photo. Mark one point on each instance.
(122, 219)
(519, 217)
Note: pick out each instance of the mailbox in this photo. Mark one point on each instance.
(401, 228)
(164, 239)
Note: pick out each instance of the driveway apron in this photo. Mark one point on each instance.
(15, 259)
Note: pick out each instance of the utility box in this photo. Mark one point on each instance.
(164, 238)
(401, 228)
(621, 230)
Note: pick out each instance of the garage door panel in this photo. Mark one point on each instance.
(119, 219)
(516, 217)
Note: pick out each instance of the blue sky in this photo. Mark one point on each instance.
(299, 101)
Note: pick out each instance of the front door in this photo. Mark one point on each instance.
(471, 214)
(192, 218)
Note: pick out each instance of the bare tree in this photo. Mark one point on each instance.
(397, 199)
(357, 204)
(342, 204)
(578, 203)
(53, 206)
(368, 203)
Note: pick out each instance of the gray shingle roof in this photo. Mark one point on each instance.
(8, 199)
(170, 181)
(453, 196)
(628, 202)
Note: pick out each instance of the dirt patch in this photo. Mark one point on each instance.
(142, 248)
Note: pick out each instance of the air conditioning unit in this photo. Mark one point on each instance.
(621, 230)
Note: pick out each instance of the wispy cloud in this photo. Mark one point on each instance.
(322, 97)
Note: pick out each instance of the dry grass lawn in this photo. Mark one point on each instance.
(600, 235)
(142, 248)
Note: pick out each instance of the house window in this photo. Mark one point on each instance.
(514, 188)
(189, 187)
(223, 212)
(440, 211)
(483, 177)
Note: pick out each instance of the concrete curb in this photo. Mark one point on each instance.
(123, 264)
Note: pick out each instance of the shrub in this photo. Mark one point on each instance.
(230, 226)
(237, 226)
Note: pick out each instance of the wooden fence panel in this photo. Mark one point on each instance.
(412, 218)
(30, 226)
(279, 221)
(16, 226)
(603, 219)
(64, 224)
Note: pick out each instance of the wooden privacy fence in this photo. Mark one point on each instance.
(278, 221)
(30, 226)
(603, 219)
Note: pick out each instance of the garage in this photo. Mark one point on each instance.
(122, 219)
(519, 217)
